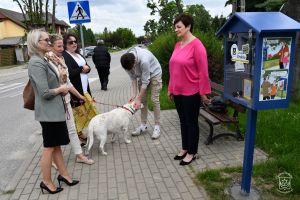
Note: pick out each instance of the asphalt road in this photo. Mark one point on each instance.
(18, 129)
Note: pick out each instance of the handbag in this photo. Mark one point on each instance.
(218, 105)
(28, 96)
(84, 113)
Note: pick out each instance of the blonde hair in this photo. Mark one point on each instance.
(54, 38)
(33, 38)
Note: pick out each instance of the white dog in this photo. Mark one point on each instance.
(114, 121)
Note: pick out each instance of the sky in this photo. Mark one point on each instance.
(113, 14)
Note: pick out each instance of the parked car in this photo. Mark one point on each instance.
(115, 48)
(89, 51)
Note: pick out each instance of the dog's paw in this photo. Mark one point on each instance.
(127, 141)
(104, 153)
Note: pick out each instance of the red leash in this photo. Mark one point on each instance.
(114, 105)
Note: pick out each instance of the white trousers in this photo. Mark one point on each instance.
(74, 140)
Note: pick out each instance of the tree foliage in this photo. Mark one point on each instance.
(88, 35)
(122, 37)
(125, 37)
(270, 5)
(202, 19)
(33, 12)
(258, 5)
(167, 10)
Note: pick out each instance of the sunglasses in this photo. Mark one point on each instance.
(72, 42)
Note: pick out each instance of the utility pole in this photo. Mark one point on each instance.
(243, 6)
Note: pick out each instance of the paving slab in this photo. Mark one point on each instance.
(143, 169)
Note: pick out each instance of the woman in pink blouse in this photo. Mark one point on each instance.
(188, 85)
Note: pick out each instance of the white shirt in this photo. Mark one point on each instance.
(84, 77)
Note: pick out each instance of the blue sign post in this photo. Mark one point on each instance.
(258, 65)
(79, 12)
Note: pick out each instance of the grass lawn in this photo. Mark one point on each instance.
(278, 134)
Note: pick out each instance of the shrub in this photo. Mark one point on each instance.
(163, 47)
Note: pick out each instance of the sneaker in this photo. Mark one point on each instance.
(142, 128)
(156, 133)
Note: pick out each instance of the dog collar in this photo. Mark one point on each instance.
(132, 112)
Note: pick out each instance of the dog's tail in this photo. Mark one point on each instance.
(90, 137)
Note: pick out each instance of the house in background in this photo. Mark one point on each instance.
(12, 32)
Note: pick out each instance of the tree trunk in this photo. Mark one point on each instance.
(53, 16)
(46, 13)
(30, 12)
(243, 5)
(292, 9)
(234, 6)
(23, 13)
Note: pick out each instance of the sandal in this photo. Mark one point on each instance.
(85, 161)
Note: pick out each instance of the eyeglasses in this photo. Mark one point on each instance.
(72, 42)
(46, 40)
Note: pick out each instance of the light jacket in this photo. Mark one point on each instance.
(49, 107)
(146, 66)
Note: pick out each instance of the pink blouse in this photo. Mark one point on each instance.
(189, 70)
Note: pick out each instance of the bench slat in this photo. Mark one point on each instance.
(223, 117)
(209, 117)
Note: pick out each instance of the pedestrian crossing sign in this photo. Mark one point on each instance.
(79, 12)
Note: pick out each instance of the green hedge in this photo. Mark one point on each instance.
(163, 47)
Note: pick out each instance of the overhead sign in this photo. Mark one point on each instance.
(79, 12)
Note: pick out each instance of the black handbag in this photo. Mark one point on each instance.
(218, 105)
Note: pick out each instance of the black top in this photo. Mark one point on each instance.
(74, 76)
(101, 57)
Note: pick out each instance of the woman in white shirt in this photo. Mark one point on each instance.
(78, 74)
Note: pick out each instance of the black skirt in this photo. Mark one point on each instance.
(55, 134)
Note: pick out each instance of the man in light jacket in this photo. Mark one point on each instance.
(144, 69)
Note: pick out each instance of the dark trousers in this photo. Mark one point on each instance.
(103, 73)
(188, 110)
(281, 66)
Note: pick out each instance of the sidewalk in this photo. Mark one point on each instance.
(143, 169)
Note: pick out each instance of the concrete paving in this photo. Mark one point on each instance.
(144, 169)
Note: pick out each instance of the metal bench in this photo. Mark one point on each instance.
(214, 118)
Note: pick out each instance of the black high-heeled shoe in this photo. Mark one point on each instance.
(61, 178)
(177, 157)
(187, 163)
(44, 186)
